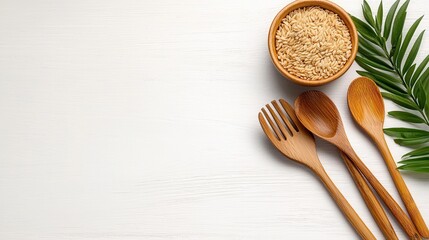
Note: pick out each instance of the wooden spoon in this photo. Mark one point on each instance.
(321, 117)
(371, 200)
(366, 105)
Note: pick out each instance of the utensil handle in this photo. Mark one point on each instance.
(396, 210)
(345, 207)
(371, 200)
(402, 188)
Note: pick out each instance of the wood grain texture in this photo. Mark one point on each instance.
(93, 91)
(371, 200)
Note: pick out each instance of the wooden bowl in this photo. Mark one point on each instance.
(307, 3)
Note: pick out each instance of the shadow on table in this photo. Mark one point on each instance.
(291, 165)
(424, 177)
(287, 88)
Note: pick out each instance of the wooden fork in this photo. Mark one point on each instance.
(297, 143)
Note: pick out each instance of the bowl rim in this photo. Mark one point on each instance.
(326, 4)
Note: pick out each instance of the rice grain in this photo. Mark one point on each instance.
(313, 43)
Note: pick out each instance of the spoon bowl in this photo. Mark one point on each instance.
(321, 120)
(366, 103)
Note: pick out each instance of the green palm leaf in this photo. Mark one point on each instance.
(417, 153)
(407, 40)
(379, 17)
(393, 68)
(427, 100)
(424, 76)
(389, 19)
(406, 117)
(398, 23)
(414, 160)
(412, 142)
(365, 30)
(419, 69)
(368, 55)
(422, 167)
(370, 46)
(401, 101)
(405, 132)
(396, 50)
(413, 53)
(368, 62)
(421, 95)
(409, 74)
(367, 13)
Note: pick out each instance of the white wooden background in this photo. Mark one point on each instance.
(138, 120)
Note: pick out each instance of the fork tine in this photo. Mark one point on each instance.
(291, 129)
(273, 125)
(291, 112)
(267, 130)
(280, 125)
